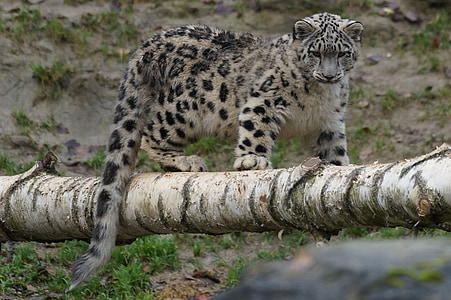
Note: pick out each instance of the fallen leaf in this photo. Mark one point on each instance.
(61, 130)
(190, 277)
(201, 297)
(387, 12)
(412, 17)
(199, 273)
(435, 42)
(210, 274)
(366, 130)
(146, 268)
(12, 9)
(51, 271)
(31, 288)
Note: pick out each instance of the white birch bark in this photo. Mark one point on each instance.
(312, 197)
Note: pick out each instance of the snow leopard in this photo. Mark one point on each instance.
(196, 81)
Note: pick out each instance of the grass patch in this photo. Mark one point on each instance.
(29, 21)
(391, 233)
(215, 152)
(356, 137)
(355, 232)
(128, 273)
(434, 36)
(390, 99)
(52, 79)
(235, 270)
(19, 269)
(422, 271)
(208, 146)
(441, 104)
(98, 161)
(56, 75)
(268, 255)
(284, 149)
(7, 165)
(24, 123)
(113, 24)
(69, 251)
(159, 252)
(49, 125)
(56, 30)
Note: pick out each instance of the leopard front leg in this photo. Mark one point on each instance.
(330, 144)
(176, 161)
(168, 152)
(256, 135)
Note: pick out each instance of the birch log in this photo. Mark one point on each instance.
(314, 196)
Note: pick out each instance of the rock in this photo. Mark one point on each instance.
(412, 17)
(21, 141)
(373, 59)
(402, 269)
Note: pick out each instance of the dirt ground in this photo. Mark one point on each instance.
(400, 105)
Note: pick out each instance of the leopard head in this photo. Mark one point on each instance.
(327, 46)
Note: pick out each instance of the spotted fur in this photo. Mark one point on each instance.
(192, 82)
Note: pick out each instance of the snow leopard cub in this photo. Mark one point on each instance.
(193, 81)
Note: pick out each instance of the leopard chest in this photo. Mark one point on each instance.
(319, 109)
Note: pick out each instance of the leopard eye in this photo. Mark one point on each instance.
(316, 53)
(341, 54)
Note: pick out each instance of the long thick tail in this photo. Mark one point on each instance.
(123, 147)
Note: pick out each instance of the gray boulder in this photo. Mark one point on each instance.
(402, 269)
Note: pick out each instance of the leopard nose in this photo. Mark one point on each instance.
(328, 77)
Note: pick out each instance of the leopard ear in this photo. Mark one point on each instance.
(302, 29)
(354, 29)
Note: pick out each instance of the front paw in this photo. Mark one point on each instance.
(252, 162)
(192, 163)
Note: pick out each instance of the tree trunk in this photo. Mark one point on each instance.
(314, 196)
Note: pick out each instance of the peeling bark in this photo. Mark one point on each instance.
(315, 197)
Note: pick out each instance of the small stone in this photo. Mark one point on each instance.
(448, 72)
(393, 5)
(412, 17)
(363, 104)
(373, 59)
(20, 140)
